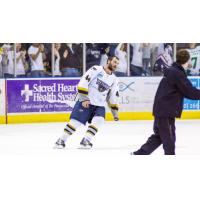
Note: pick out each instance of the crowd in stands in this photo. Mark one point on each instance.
(148, 59)
(36, 60)
(98, 53)
(67, 59)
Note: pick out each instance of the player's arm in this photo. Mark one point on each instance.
(113, 100)
(34, 56)
(117, 50)
(84, 84)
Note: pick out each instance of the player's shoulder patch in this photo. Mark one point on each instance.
(96, 67)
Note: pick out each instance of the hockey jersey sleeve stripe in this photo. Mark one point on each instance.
(114, 106)
(82, 91)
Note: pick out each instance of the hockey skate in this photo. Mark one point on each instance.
(85, 144)
(60, 144)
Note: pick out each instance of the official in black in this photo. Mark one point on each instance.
(168, 105)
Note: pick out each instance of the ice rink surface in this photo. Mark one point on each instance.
(31, 168)
(114, 138)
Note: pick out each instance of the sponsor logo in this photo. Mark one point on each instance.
(50, 93)
(123, 86)
(26, 93)
(102, 86)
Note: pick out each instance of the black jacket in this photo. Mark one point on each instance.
(173, 87)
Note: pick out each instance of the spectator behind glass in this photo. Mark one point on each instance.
(156, 50)
(136, 68)
(37, 55)
(8, 61)
(69, 63)
(163, 60)
(120, 52)
(77, 51)
(20, 61)
(194, 62)
(93, 55)
(104, 55)
(47, 59)
(1, 70)
(146, 54)
(57, 72)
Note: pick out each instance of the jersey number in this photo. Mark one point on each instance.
(194, 62)
(87, 78)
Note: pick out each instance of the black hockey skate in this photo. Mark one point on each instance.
(60, 144)
(85, 144)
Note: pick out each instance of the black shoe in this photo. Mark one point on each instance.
(139, 152)
(86, 144)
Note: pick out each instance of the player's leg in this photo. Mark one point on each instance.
(96, 122)
(153, 142)
(78, 116)
(92, 131)
(68, 131)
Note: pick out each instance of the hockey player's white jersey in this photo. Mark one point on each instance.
(99, 87)
(195, 60)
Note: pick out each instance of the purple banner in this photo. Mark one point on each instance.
(41, 95)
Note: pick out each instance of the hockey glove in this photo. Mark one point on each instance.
(115, 114)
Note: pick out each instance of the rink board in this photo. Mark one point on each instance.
(2, 102)
(34, 118)
(2, 119)
(40, 100)
(50, 100)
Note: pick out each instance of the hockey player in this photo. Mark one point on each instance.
(194, 51)
(168, 105)
(97, 87)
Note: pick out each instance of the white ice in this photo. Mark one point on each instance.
(113, 138)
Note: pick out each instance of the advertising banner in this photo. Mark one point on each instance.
(192, 104)
(58, 95)
(137, 93)
(41, 95)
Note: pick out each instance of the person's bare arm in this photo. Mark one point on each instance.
(34, 56)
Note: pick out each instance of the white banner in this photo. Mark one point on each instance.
(137, 93)
(2, 97)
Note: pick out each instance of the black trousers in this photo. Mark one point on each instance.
(164, 133)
